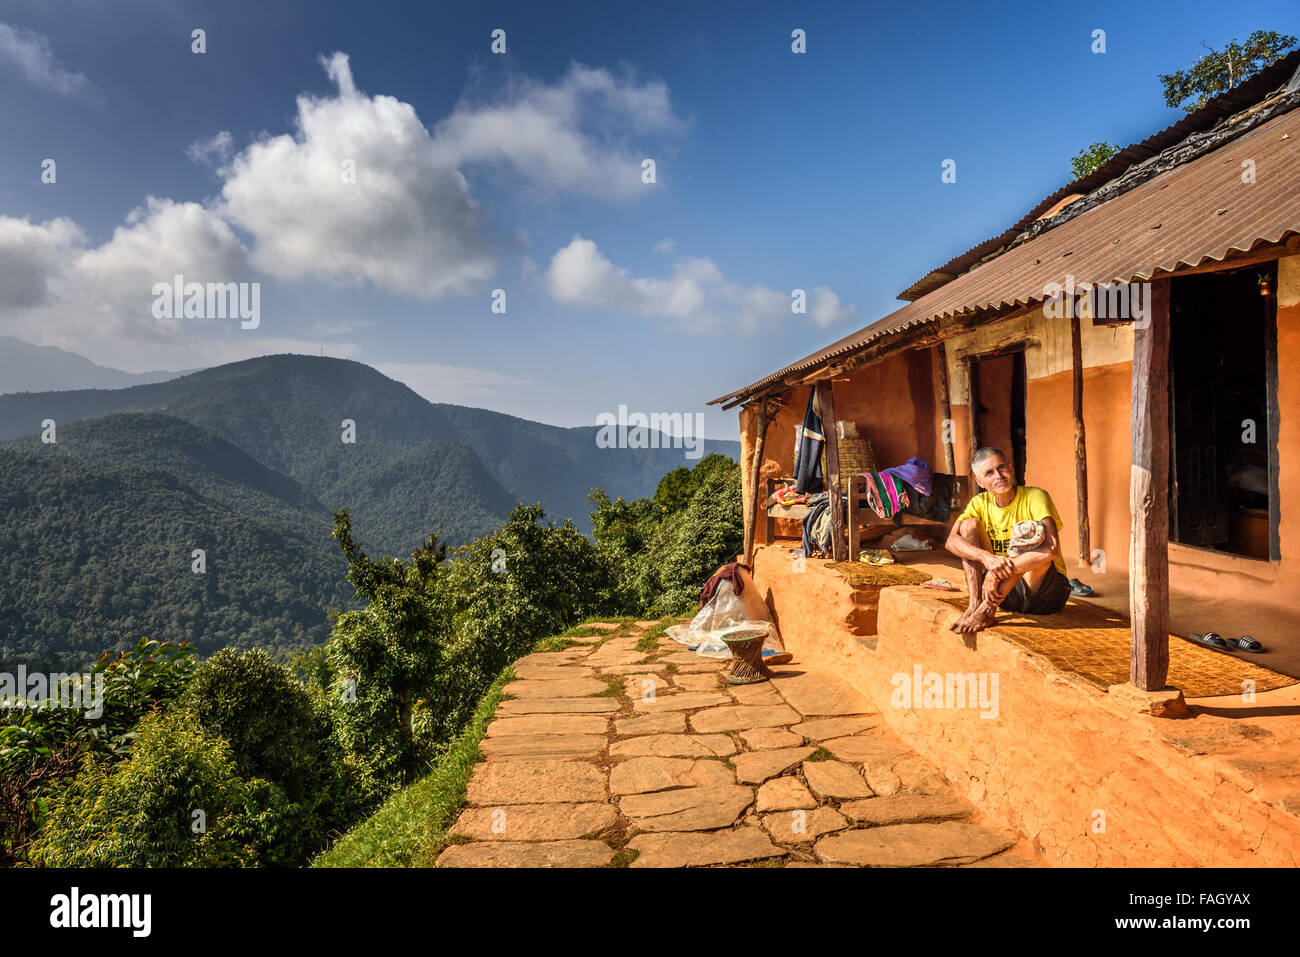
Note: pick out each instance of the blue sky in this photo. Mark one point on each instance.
(521, 172)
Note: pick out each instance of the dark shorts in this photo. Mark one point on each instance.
(1049, 598)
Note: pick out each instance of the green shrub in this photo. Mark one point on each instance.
(266, 716)
(141, 812)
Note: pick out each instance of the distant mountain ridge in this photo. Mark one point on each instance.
(286, 411)
(25, 367)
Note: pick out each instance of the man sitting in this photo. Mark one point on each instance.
(1029, 579)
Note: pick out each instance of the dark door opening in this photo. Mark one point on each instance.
(1223, 357)
(998, 397)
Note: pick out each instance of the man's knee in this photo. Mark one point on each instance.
(969, 529)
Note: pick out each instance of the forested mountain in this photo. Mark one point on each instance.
(246, 461)
(287, 412)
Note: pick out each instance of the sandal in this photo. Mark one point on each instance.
(1245, 643)
(1210, 639)
(773, 657)
(1078, 589)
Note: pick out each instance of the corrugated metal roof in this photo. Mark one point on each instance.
(1215, 110)
(1181, 218)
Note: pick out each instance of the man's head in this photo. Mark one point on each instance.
(993, 472)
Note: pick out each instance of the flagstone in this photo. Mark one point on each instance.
(556, 688)
(784, 794)
(521, 854)
(687, 809)
(799, 827)
(696, 849)
(603, 659)
(763, 739)
(669, 722)
(535, 822)
(919, 775)
(518, 747)
(531, 782)
(553, 672)
(739, 717)
(553, 658)
(681, 701)
(756, 694)
(644, 774)
(882, 779)
(816, 693)
(548, 724)
(823, 729)
(698, 682)
(614, 671)
(701, 666)
(519, 706)
(638, 686)
(687, 658)
(755, 767)
(913, 845)
(833, 779)
(675, 745)
(906, 809)
(863, 748)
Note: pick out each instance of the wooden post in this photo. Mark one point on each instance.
(757, 500)
(945, 412)
(1080, 443)
(1148, 565)
(973, 390)
(839, 540)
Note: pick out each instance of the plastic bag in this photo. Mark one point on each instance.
(726, 612)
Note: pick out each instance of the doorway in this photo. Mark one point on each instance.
(997, 394)
(1223, 371)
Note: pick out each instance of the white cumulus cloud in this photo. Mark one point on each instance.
(697, 294)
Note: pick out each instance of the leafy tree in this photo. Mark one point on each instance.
(660, 560)
(1221, 70)
(526, 580)
(385, 657)
(1092, 158)
(141, 813)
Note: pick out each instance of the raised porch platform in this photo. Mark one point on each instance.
(1078, 768)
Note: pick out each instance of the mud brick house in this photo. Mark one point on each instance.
(1133, 341)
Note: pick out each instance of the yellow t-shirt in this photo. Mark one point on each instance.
(1029, 504)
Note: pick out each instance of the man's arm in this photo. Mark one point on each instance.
(958, 544)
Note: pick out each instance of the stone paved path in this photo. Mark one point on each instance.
(610, 754)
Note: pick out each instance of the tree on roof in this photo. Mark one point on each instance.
(1221, 70)
(1091, 158)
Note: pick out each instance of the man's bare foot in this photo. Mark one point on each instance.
(966, 616)
(976, 619)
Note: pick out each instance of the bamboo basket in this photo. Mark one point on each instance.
(856, 455)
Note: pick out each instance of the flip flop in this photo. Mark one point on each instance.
(1078, 589)
(772, 657)
(1210, 639)
(1245, 643)
(942, 584)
